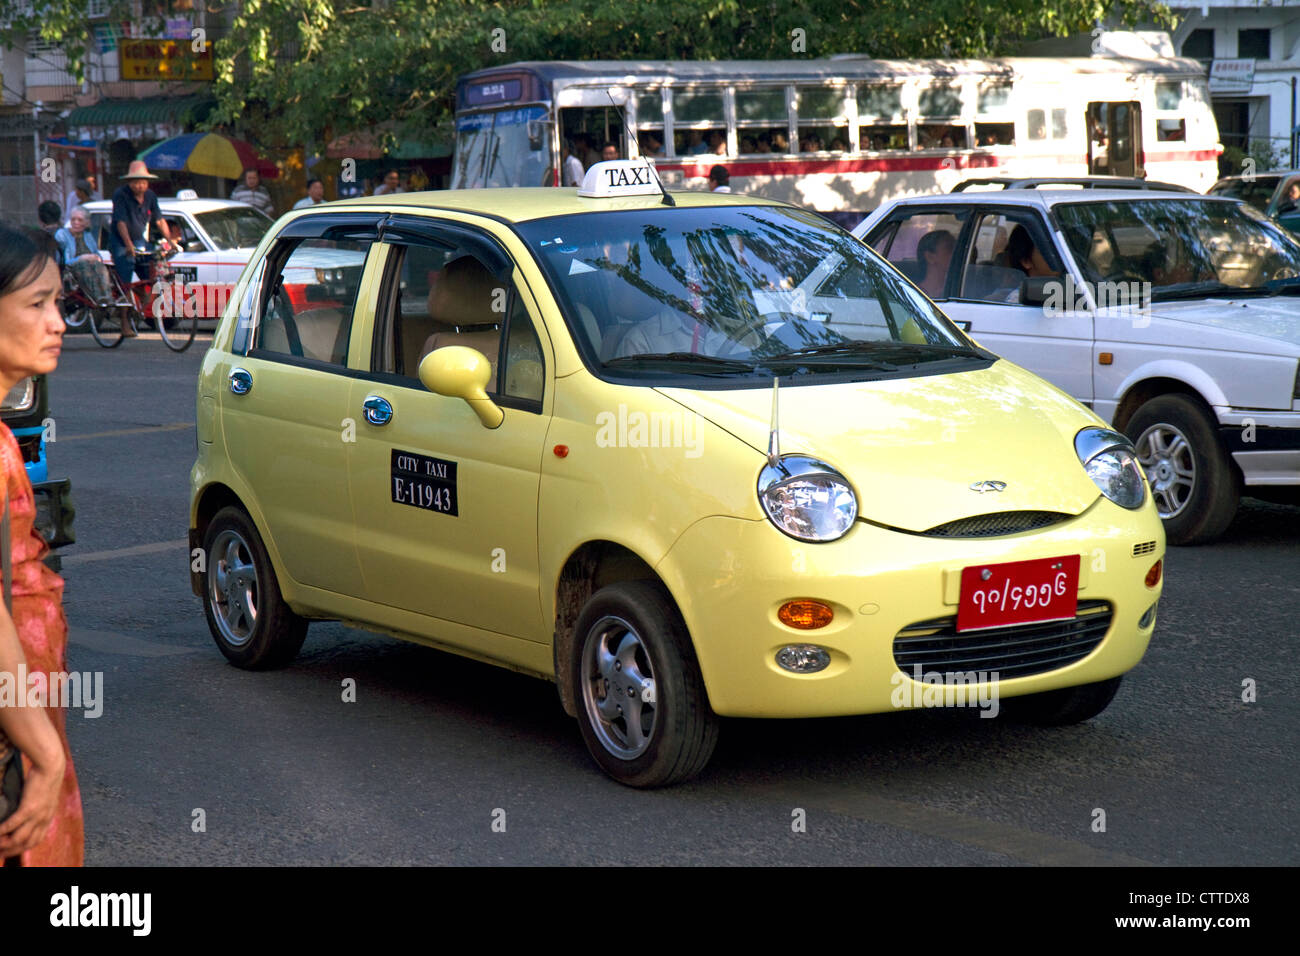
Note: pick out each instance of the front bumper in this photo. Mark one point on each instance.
(730, 576)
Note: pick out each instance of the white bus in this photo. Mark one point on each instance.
(842, 135)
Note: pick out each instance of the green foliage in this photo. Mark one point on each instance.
(299, 70)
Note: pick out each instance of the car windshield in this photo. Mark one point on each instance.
(233, 228)
(1256, 191)
(735, 290)
(502, 148)
(1180, 247)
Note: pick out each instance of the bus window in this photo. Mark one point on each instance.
(650, 123)
(699, 123)
(1169, 98)
(761, 117)
(940, 101)
(1171, 130)
(591, 129)
(880, 110)
(823, 123)
(1059, 129)
(994, 123)
(1169, 95)
(1037, 125)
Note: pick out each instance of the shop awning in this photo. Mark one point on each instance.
(142, 112)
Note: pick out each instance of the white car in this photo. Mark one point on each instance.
(217, 238)
(1174, 317)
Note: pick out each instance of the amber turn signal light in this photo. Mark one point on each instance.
(1153, 576)
(804, 614)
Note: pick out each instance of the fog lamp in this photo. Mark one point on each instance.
(1149, 616)
(804, 614)
(803, 658)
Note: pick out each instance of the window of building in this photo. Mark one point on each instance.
(1253, 44)
(1199, 45)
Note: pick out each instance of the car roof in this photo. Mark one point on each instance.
(1048, 198)
(525, 203)
(169, 204)
(1258, 174)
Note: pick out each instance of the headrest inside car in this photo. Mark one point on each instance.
(462, 295)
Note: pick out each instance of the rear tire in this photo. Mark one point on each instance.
(642, 706)
(252, 625)
(1192, 479)
(1069, 705)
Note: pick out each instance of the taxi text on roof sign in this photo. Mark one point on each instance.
(619, 177)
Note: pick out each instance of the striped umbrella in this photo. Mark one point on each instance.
(207, 154)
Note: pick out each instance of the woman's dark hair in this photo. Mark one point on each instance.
(49, 212)
(22, 256)
(1020, 246)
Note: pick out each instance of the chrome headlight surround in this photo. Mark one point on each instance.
(807, 499)
(1111, 462)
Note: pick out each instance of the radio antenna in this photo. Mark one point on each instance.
(631, 138)
(774, 436)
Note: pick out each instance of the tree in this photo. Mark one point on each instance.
(298, 70)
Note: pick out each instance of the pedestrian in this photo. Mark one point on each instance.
(315, 194)
(50, 215)
(391, 185)
(81, 193)
(135, 212)
(571, 171)
(81, 255)
(46, 828)
(720, 179)
(252, 192)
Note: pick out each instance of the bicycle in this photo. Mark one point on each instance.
(139, 305)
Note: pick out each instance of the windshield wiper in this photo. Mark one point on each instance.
(709, 362)
(858, 348)
(1199, 290)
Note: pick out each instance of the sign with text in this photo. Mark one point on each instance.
(164, 60)
(1232, 76)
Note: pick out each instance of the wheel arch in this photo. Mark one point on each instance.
(590, 567)
(1138, 393)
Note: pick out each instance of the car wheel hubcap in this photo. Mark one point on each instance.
(233, 587)
(618, 688)
(1166, 455)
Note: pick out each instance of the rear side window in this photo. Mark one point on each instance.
(309, 302)
(904, 243)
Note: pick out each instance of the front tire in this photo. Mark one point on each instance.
(642, 706)
(1058, 708)
(106, 325)
(252, 625)
(1195, 487)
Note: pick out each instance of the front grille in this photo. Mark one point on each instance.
(991, 526)
(1146, 547)
(1016, 651)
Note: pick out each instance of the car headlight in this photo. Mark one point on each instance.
(1111, 462)
(807, 499)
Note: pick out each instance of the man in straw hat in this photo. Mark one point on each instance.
(135, 212)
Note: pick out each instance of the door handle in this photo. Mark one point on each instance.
(378, 410)
(241, 381)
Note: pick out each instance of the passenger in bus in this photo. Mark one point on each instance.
(747, 145)
(837, 145)
(935, 253)
(570, 166)
(695, 145)
(764, 144)
(651, 144)
(717, 143)
(779, 143)
(609, 152)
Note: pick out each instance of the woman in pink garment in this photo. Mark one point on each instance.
(46, 827)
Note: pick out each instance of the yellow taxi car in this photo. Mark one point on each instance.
(685, 455)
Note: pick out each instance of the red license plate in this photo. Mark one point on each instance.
(1018, 592)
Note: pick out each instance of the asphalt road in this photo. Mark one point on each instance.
(436, 749)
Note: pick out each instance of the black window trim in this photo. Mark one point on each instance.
(344, 225)
(1045, 235)
(399, 231)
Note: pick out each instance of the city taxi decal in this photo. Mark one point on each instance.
(424, 482)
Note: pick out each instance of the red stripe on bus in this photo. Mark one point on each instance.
(805, 167)
(1181, 156)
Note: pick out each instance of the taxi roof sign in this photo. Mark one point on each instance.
(620, 177)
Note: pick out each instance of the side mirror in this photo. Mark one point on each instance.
(1035, 290)
(460, 372)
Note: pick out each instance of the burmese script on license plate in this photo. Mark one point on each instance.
(423, 482)
(1018, 592)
